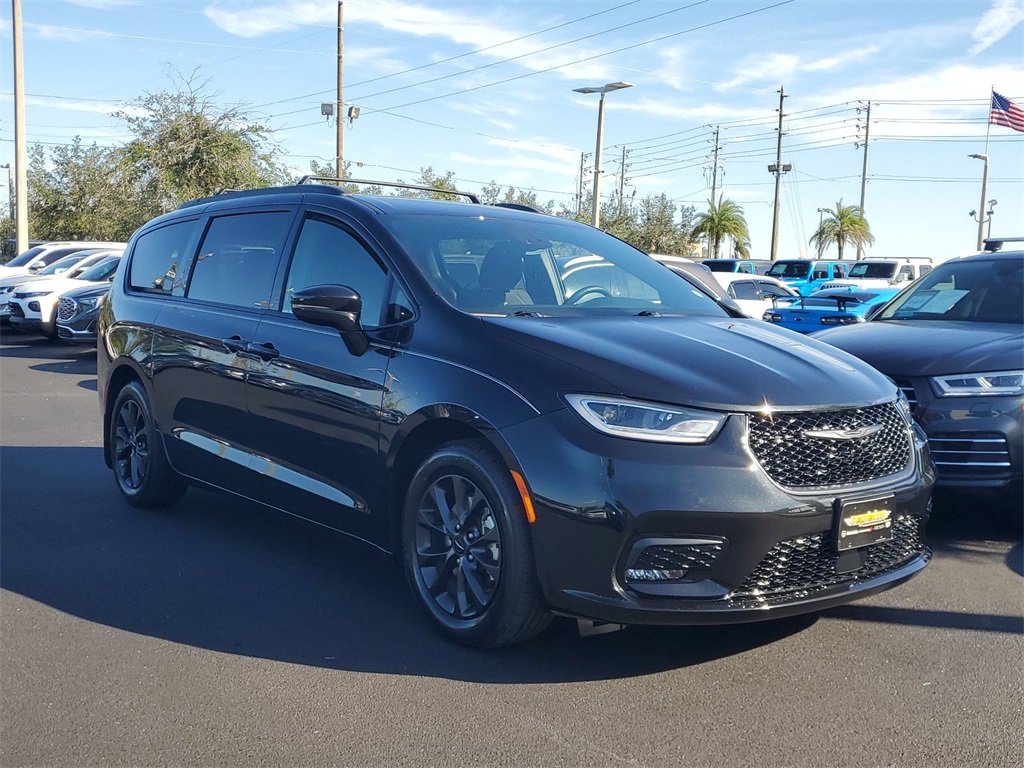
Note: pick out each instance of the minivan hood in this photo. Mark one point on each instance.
(717, 363)
(931, 348)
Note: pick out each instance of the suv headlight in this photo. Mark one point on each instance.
(91, 302)
(35, 294)
(640, 420)
(974, 384)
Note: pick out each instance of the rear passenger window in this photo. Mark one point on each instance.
(326, 254)
(156, 257)
(237, 261)
(745, 290)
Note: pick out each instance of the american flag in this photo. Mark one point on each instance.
(1005, 112)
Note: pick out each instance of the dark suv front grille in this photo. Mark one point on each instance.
(66, 309)
(795, 459)
(799, 567)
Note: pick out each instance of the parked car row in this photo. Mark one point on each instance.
(32, 291)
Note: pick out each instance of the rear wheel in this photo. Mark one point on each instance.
(141, 469)
(467, 550)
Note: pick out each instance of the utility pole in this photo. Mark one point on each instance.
(622, 179)
(579, 185)
(778, 169)
(340, 116)
(20, 139)
(864, 172)
(714, 167)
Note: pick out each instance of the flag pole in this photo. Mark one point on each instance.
(988, 118)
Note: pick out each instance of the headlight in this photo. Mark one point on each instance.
(842, 320)
(91, 302)
(7, 289)
(35, 294)
(973, 384)
(646, 421)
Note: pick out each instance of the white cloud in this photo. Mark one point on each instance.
(997, 22)
(833, 62)
(771, 68)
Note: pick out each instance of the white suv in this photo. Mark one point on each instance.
(882, 273)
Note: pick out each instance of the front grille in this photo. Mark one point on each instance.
(980, 455)
(798, 568)
(796, 460)
(66, 309)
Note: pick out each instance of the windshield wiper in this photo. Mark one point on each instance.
(648, 313)
(526, 313)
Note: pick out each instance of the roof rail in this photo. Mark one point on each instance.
(993, 244)
(521, 207)
(402, 185)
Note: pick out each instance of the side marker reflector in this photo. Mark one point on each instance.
(531, 516)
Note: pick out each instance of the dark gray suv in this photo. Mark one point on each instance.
(533, 416)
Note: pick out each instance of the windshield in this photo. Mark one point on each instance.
(24, 257)
(63, 265)
(876, 271)
(101, 270)
(790, 269)
(720, 266)
(977, 289)
(543, 266)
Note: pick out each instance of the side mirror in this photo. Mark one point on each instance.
(333, 306)
(36, 267)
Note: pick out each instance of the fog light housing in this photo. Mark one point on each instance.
(657, 560)
(34, 306)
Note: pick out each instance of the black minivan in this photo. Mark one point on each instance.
(533, 416)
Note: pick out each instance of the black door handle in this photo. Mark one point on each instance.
(234, 344)
(265, 351)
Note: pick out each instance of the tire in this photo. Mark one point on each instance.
(141, 469)
(467, 551)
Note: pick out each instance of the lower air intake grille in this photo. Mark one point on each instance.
(800, 567)
(793, 458)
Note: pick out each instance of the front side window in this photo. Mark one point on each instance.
(744, 290)
(238, 259)
(156, 256)
(327, 254)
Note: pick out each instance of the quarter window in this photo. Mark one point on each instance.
(237, 261)
(327, 254)
(156, 257)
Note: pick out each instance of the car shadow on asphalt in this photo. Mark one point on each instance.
(54, 356)
(228, 575)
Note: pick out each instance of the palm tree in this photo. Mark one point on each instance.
(844, 224)
(722, 220)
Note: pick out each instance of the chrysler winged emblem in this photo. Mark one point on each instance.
(844, 434)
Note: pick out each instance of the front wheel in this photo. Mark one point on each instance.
(141, 469)
(467, 550)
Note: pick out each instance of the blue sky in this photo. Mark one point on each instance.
(485, 89)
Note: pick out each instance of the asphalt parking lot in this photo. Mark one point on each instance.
(221, 633)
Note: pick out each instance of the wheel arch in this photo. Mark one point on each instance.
(434, 427)
(120, 377)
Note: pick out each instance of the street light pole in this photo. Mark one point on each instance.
(595, 211)
(984, 194)
(821, 223)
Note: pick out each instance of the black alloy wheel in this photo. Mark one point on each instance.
(467, 550)
(141, 468)
(458, 547)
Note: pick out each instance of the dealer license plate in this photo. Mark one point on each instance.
(862, 523)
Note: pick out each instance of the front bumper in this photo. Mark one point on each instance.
(748, 548)
(80, 329)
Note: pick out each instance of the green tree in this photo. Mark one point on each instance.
(724, 220)
(843, 225)
(191, 147)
